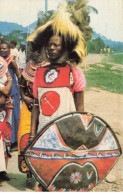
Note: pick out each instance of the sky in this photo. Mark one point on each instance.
(108, 21)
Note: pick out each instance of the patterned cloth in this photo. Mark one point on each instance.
(29, 71)
(9, 59)
(5, 130)
(3, 67)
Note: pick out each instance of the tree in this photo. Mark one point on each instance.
(44, 17)
(94, 46)
(80, 15)
(17, 35)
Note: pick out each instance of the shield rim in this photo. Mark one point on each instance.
(45, 127)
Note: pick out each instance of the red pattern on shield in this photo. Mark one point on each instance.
(48, 105)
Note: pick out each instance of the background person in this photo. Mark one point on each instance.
(14, 50)
(5, 112)
(22, 56)
(15, 93)
(26, 85)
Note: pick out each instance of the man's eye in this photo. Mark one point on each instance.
(49, 45)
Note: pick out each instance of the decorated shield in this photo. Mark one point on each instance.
(73, 153)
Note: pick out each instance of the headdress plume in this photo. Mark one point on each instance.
(69, 22)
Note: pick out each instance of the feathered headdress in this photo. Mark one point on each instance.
(67, 21)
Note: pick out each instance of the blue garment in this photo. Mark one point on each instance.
(15, 95)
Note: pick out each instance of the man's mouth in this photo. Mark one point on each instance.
(2, 53)
(52, 54)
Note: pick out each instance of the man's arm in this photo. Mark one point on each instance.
(27, 99)
(79, 100)
(16, 69)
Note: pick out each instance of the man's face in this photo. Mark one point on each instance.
(4, 50)
(54, 48)
(23, 47)
(12, 46)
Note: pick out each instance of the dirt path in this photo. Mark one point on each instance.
(106, 105)
(94, 58)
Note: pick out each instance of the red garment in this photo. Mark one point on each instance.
(78, 79)
(54, 88)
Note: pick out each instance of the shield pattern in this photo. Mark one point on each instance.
(74, 152)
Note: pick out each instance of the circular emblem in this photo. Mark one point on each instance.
(49, 103)
(50, 76)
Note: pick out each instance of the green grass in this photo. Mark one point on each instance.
(104, 78)
(115, 58)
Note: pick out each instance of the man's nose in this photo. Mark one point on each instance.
(52, 47)
(1, 49)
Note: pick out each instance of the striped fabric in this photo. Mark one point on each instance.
(3, 67)
(30, 70)
(9, 59)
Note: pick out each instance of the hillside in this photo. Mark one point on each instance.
(6, 27)
(108, 42)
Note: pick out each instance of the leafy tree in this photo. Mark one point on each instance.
(80, 15)
(94, 46)
(16, 35)
(44, 17)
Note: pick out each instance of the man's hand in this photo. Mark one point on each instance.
(29, 102)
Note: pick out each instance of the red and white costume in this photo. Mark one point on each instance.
(5, 121)
(54, 89)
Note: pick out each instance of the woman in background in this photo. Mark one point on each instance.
(15, 93)
(5, 113)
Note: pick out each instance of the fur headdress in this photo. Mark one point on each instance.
(66, 23)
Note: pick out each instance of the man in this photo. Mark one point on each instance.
(22, 56)
(5, 115)
(15, 92)
(14, 50)
(58, 86)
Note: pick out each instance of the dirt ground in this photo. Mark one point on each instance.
(106, 105)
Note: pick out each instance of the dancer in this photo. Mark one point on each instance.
(26, 84)
(58, 85)
(5, 113)
(15, 93)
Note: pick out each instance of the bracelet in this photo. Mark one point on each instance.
(36, 104)
(31, 136)
(9, 78)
